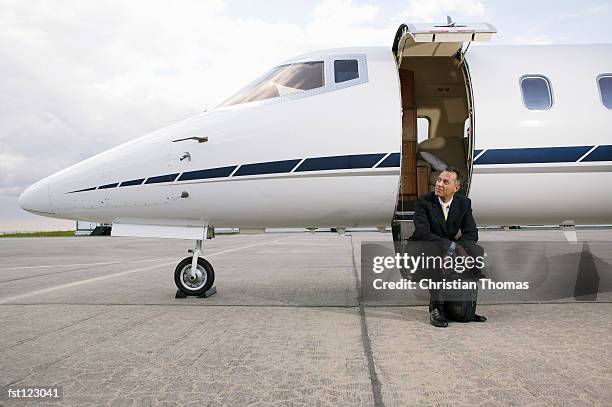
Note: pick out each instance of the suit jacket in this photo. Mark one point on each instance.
(430, 225)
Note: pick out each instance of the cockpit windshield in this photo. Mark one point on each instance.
(281, 81)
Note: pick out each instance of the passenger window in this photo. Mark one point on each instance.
(605, 90)
(536, 93)
(345, 70)
(281, 81)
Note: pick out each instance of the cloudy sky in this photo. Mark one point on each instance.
(78, 77)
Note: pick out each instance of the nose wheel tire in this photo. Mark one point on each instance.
(198, 284)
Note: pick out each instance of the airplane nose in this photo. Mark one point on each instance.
(35, 199)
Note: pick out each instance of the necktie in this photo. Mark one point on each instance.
(445, 210)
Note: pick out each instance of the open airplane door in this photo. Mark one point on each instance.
(419, 43)
(425, 40)
(438, 40)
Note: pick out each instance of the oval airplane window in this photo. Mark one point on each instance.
(605, 90)
(536, 92)
(282, 81)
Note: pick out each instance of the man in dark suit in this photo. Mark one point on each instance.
(438, 218)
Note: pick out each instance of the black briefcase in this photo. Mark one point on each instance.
(460, 303)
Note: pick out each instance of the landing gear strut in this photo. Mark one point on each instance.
(194, 275)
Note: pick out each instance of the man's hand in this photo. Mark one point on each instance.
(461, 251)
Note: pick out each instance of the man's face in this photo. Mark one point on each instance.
(446, 185)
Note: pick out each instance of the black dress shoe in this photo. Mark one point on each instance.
(479, 318)
(437, 319)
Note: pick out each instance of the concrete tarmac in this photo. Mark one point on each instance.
(97, 315)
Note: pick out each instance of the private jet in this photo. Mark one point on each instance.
(350, 137)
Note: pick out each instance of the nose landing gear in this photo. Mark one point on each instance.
(194, 275)
(194, 283)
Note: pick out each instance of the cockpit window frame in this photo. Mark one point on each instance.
(362, 66)
(328, 77)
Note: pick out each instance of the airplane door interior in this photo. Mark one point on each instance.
(435, 85)
(408, 180)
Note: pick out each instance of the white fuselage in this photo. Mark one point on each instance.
(559, 188)
(316, 161)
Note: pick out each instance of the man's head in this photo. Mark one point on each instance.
(449, 182)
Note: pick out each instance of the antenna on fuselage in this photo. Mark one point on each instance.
(450, 23)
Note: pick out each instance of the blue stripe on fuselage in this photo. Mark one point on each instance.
(220, 172)
(532, 155)
(271, 167)
(340, 162)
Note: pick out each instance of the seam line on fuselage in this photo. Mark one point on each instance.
(478, 154)
(235, 169)
(381, 160)
(587, 153)
(298, 164)
(600, 153)
(393, 160)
